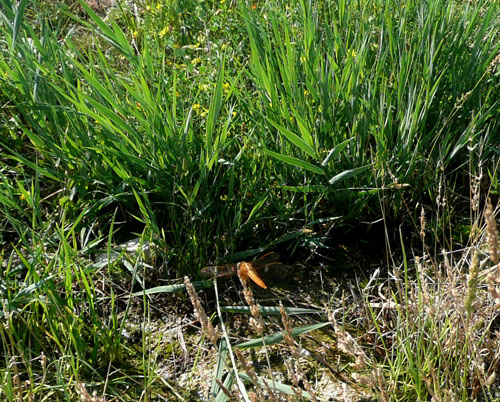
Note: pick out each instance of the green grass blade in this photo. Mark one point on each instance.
(17, 22)
(295, 162)
(277, 386)
(173, 288)
(293, 138)
(276, 338)
(219, 368)
(347, 174)
(270, 310)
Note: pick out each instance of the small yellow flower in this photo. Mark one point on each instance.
(22, 197)
(234, 114)
(196, 107)
(148, 8)
(135, 34)
(224, 46)
(159, 6)
(204, 87)
(204, 112)
(352, 53)
(306, 92)
(164, 31)
(195, 61)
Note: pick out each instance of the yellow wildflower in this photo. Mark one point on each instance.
(196, 107)
(135, 34)
(164, 31)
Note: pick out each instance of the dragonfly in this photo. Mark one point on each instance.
(246, 270)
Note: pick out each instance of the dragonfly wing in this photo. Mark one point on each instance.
(266, 259)
(254, 277)
(219, 270)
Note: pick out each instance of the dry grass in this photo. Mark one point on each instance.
(430, 332)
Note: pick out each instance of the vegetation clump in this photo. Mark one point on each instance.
(141, 141)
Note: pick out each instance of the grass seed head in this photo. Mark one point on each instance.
(208, 328)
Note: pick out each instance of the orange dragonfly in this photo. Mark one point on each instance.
(246, 270)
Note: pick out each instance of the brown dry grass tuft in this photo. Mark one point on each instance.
(438, 326)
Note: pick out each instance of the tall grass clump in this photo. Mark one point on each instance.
(112, 119)
(373, 95)
(105, 128)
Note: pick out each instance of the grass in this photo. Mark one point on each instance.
(213, 131)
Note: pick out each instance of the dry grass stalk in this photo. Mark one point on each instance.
(299, 373)
(382, 386)
(295, 379)
(422, 224)
(256, 320)
(211, 332)
(472, 282)
(224, 389)
(491, 232)
(17, 387)
(288, 336)
(349, 346)
(493, 65)
(249, 370)
(493, 279)
(82, 392)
